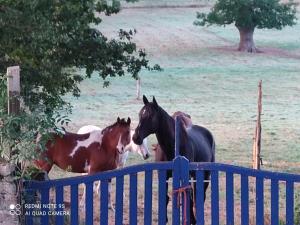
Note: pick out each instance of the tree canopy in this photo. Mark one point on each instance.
(53, 40)
(247, 15)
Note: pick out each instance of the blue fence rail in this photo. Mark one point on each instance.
(155, 175)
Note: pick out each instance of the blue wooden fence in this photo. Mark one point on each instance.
(154, 176)
(180, 167)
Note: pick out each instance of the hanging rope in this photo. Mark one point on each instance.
(179, 192)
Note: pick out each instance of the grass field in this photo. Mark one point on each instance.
(207, 78)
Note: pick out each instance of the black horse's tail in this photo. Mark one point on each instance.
(213, 148)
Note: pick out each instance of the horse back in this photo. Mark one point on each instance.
(59, 145)
(201, 144)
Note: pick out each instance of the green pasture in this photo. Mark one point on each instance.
(205, 77)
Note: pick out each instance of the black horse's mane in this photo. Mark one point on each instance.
(166, 132)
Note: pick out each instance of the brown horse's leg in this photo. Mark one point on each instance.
(111, 206)
(193, 207)
(93, 171)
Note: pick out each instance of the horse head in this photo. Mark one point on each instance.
(118, 134)
(148, 121)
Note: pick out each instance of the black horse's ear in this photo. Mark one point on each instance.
(128, 120)
(145, 100)
(154, 102)
(118, 120)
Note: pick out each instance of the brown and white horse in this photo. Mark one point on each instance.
(86, 153)
(130, 148)
(142, 149)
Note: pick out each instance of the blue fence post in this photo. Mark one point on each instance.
(244, 199)
(290, 203)
(119, 200)
(148, 198)
(59, 196)
(200, 197)
(259, 201)
(214, 197)
(104, 201)
(176, 186)
(74, 204)
(229, 198)
(133, 198)
(44, 207)
(89, 203)
(29, 197)
(186, 194)
(162, 191)
(274, 202)
(177, 137)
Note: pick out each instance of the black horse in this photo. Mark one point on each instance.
(196, 142)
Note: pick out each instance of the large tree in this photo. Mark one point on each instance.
(53, 41)
(247, 15)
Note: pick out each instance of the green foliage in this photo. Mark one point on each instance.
(250, 14)
(3, 93)
(18, 133)
(52, 40)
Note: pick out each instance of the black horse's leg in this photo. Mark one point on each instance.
(192, 199)
(167, 201)
(206, 182)
(193, 192)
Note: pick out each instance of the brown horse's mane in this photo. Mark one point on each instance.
(120, 122)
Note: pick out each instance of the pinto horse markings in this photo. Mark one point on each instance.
(196, 142)
(95, 137)
(142, 149)
(97, 151)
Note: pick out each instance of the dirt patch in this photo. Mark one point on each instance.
(262, 51)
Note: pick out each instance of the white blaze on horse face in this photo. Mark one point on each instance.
(95, 137)
(144, 111)
(120, 146)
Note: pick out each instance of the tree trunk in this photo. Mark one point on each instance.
(138, 88)
(246, 40)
